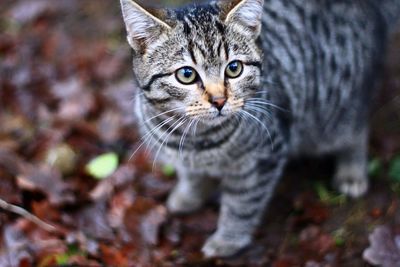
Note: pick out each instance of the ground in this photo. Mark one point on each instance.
(66, 99)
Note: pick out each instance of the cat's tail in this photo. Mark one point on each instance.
(390, 10)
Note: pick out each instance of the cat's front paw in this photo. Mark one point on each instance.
(219, 246)
(352, 182)
(352, 187)
(181, 203)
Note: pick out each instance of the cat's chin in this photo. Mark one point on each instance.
(215, 119)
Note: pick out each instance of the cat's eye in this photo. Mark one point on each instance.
(234, 69)
(186, 75)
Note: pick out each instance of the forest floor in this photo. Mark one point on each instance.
(66, 96)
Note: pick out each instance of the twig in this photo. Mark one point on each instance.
(26, 214)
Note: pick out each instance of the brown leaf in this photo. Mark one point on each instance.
(113, 256)
(311, 210)
(92, 220)
(124, 175)
(68, 88)
(27, 11)
(285, 262)
(121, 96)
(16, 248)
(119, 203)
(111, 66)
(46, 180)
(76, 107)
(152, 223)
(313, 240)
(155, 186)
(109, 126)
(144, 219)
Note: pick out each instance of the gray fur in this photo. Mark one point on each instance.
(309, 71)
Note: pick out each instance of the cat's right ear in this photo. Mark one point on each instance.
(144, 26)
(246, 13)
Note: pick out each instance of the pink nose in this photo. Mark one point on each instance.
(218, 102)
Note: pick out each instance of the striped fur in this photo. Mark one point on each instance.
(309, 70)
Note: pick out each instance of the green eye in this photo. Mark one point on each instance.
(186, 75)
(234, 69)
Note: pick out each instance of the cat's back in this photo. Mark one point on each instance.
(324, 56)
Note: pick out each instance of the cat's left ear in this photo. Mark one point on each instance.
(144, 26)
(246, 13)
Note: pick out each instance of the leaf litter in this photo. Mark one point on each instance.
(66, 98)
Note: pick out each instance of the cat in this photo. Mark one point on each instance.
(235, 89)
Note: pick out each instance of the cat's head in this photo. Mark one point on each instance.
(199, 61)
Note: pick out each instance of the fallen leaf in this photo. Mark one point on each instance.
(375, 167)
(62, 157)
(384, 249)
(27, 11)
(394, 169)
(310, 210)
(16, 248)
(168, 170)
(121, 177)
(92, 220)
(156, 187)
(102, 166)
(113, 256)
(68, 88)
(151, 224)
(47, 180)
(119, 203)
(76, 107)
(121, 96)
(144, 219)
(314, 240)
(109, 126)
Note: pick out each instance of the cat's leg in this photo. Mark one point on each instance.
(351, 176)
(190, 193)
(244, 198)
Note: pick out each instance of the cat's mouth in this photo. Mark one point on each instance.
(216, 116)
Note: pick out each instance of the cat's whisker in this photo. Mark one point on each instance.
(262, 124)
(182, 140)
(260, 114)
(260, 110)
(195, 126)
(265, 108)
(160, 114)
(246, 94)
(161, 139)
(149, 134)
(161, 136)
(162, 132)
(181, 121)
(133, 98)
(263, 102)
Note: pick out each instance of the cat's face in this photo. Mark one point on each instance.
(201, 62)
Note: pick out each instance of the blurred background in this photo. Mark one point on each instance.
(67, 134)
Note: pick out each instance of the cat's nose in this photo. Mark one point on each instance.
(218, 102)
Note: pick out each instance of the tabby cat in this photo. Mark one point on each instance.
(234, 89)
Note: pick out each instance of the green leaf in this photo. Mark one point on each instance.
(375, 167)
(394, 169)
(62, 259)
(168, 170)
(102, 166)
(328, 197)
(339, 237)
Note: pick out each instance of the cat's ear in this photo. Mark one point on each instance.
(144, 26)
(247, 13)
